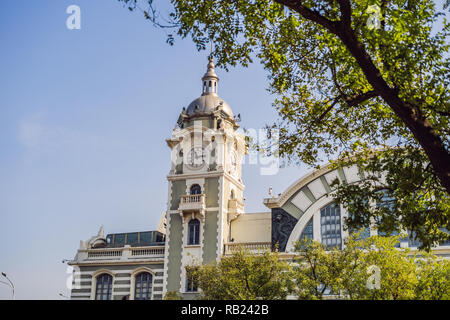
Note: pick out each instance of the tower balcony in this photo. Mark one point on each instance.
(235, 208)
(192, 203)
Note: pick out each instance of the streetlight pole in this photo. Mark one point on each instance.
(9, 284)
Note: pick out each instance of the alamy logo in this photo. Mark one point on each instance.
(374, 20)
(374, 280)
(263, 148)
(74, 20)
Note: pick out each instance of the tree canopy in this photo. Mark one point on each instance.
(371, 269)
(364, 269)
(348, 78)
(244, 277)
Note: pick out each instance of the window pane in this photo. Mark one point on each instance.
(132, 238)
(307, 232)
(104, 287)
(119, 239)
(143, 286)
(145, 237)
(331, 226)
(191, 286)
(194, 232)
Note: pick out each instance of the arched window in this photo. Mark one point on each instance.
(195, 189)
(103, 288)
(143, 286)
(330, 226)
(307, 232)
(232, 194)
(193, 232)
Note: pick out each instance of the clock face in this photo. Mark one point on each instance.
(196, 157)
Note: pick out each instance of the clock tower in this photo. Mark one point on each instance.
(205, 189)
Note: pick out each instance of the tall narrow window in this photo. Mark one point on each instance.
(195, 189)
(330, 226)
(193, 232)
(143, 286)
(103, 288)
(191, 284)
(307, 232)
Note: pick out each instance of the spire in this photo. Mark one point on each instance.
(210, 79)
(101, 233)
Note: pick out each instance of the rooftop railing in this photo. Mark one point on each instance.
(125, 253)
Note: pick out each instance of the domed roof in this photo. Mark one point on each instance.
(208, 103)
(209, 100)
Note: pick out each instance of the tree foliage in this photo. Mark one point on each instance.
(347, 77)
(351, 273)
(172, 295)
(399, 193)
(244, 277)
(348, 273)
(316, 272)
(433, 279)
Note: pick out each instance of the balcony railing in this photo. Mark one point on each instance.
(252, 247)
(192, 202)
(192, 198)
(124, 253)
(149, 252)
(104, 254)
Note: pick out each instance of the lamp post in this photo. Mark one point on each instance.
(9, 284)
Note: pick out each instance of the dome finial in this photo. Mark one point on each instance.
(209, 100)
(210, 79)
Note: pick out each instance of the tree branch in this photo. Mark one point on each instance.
(309, 14)
(346, 11)
(411, 115)
(355, 100)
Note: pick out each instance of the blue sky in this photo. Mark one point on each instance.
(84, 115)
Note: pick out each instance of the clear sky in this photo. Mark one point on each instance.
(84, 115)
